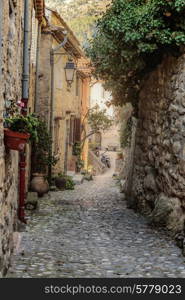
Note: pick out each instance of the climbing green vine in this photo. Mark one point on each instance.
(125, 134)
(131, 39)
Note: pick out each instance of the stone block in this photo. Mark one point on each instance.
(182, 166)
(149, 183)
(71, 173)
(31, 201)
(78, 179)
(88, 177)
(168, 212)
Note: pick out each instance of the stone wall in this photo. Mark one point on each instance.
(158, 185)
(10, 83)
(44, 90)
(128, 165)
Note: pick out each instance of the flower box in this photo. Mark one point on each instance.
(15, 140)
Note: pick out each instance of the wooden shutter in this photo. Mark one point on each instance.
(77, 130)
(71, 131)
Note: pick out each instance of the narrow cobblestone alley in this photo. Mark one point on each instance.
(89, 232)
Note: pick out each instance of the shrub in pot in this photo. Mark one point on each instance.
(18, 130)
(64, 182)
(41, 159)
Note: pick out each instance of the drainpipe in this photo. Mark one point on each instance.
(51, 124)
(66, 147)
(25, 95)
(1, 17)
(26, 59)
(37, 68)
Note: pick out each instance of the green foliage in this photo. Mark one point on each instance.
(77, 149)
(131, 39)
(70, 185)
(39, 136)
(99, 120)
(24, 124)
(79, 164)
(125, 135)
(42, 149)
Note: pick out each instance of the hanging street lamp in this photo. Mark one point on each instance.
(69, 72)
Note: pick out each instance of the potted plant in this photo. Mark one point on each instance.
(41, 159)
(64, 182)
(18, 130)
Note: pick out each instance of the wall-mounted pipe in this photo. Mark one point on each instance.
(25, 96)
(1, 22)
(37, 68)
(26, 58)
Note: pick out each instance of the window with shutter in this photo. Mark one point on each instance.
(71, 134)
(77, 130)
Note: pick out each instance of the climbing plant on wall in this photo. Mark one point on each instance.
(131, 38)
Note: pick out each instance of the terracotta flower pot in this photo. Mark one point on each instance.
(60, 183)
(15, 140)
(39, 184)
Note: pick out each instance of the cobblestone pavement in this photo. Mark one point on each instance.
(89, 232)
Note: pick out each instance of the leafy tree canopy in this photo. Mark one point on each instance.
(98, 121)
(131, 39)
(80, 15)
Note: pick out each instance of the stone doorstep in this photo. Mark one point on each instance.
(71, 173)
(78, 178)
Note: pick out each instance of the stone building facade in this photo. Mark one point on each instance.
(10, 89)
(59, 104)
(11, 71)
(157, 184)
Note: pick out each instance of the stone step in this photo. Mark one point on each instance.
(71, 173)
(78, 178)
